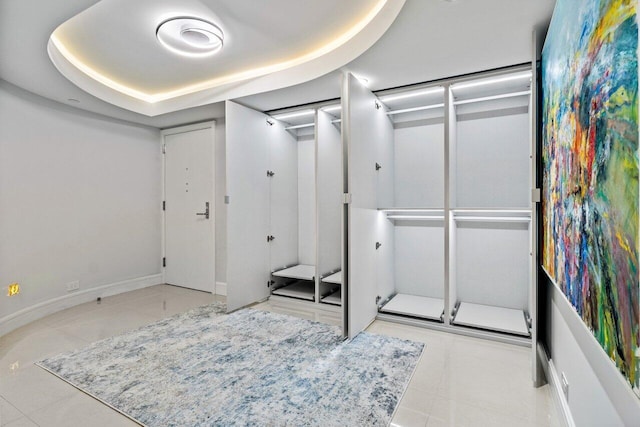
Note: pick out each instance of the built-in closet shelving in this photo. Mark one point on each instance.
(285, 207)
(453, 186)
(490, 208)
(413, 205)
(413, 202)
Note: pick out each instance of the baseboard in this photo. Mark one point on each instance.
(557, 394)
(221, 288)
(45, 308)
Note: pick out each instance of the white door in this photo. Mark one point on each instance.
(361, 129)
(189, 245)
(247, 157)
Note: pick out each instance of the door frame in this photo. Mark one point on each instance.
(211, 125)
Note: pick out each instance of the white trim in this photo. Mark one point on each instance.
(221, 288)
(557, 394)
(45, 308)
(625, 402)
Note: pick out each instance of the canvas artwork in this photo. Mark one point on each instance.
(590, 170)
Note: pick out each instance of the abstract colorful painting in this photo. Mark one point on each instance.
(590, 170)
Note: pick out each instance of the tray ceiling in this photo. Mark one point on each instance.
(110, 49)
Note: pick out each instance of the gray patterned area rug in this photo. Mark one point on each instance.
(251, 367)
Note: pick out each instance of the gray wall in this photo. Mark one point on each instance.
(79, 199)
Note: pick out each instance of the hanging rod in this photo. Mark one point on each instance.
(457, 211)
(491, 219)
(493, 97)
(409, 110)
(306, 125)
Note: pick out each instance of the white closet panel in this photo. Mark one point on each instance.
(419, 258)
(385, 158)
(493, 165)
(492, 261)
(363, 269)
(419, 166)
(283, 191)
(248, 191)
(363, 124)
(306, 202)
(385, 255)
(329, 194)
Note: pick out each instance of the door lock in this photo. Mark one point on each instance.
(206, 211)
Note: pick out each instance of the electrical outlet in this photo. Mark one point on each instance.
(13, 289)
(73, 286)
(564, 383)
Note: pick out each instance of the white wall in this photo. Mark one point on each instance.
(598, 394)
(221, 208)
(79, 200)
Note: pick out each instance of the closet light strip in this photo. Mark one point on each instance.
(293, 115)
(418, 210)
(306, 125)
(409, 110)
(424, 92)
(418, 217)
(491, 98)
(330, 109)
(521, 76)
(491, 219)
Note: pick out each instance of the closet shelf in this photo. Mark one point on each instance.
(300, 290)
(300, 271)
(415, 306)
(335, 278)
(492, 318)
(334, 299)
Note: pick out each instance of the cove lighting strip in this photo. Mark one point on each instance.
(410, 110)
(153, 98)
(491, 98)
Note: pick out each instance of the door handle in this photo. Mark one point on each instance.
(206, 211)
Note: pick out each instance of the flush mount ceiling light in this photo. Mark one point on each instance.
(190, 36)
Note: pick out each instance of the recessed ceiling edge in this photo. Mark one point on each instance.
(333, 55)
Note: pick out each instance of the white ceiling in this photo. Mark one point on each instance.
(430, 39)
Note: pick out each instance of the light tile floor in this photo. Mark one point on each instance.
(459, 381)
